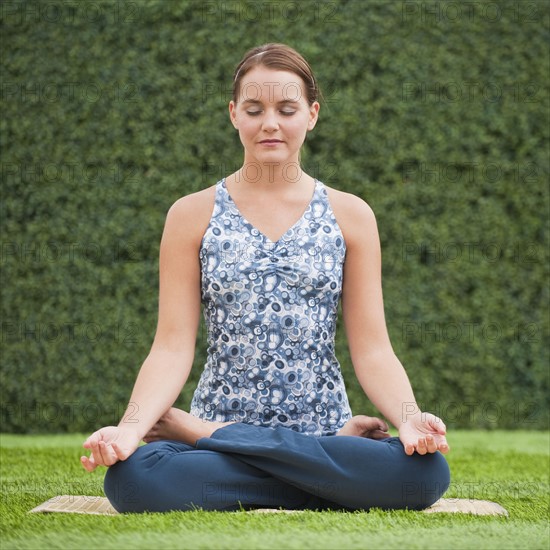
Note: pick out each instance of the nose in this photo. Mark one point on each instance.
(270, 121)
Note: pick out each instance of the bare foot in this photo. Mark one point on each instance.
(178, 425)
(365, 426)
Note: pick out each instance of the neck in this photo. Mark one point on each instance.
(271, 174)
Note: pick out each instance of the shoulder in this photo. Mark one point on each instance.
(354, 215)
(189, 216)
(200, 202)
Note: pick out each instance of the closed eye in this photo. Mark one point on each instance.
(285, 113)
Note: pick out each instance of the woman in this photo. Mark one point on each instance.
(269, 251)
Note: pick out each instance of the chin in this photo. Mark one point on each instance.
(270, 156)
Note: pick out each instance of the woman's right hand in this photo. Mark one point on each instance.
(109, 445)
(365, 426)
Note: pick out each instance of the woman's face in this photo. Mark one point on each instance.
(272, 115)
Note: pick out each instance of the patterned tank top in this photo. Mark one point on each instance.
(270, 310)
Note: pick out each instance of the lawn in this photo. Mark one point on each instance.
(511, 468)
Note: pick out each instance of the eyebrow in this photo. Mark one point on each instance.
(258, 102)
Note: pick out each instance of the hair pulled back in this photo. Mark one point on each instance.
(279, 57)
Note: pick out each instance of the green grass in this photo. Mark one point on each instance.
(507, 467)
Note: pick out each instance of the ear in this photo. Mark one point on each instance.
(313, 115)
(233, 114)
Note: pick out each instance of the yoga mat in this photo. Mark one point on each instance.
(80, 504)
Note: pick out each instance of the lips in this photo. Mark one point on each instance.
(271, 141)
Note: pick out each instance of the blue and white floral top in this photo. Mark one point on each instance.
(270, 311)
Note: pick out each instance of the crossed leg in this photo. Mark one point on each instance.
(241, 465)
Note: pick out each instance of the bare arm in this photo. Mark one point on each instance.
(378, 370)
(167, 367)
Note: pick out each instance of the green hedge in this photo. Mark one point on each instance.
(436, 113)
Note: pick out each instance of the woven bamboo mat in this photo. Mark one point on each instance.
(72, 504)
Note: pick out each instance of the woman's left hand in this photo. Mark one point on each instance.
(423, 433)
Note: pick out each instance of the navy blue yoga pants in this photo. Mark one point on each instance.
(242, 466)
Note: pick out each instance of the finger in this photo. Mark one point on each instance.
(151, 435)
(101, 453)
(378, 434)
(90, 441)
(152, 432)
(409, 449)
(381, 423)
(421, 446)
(384, 426)
(119, 453)
(444, 446)
(88, 463)
(108, 454)
(438, 425)
(369, 424)
(153, 428)
(96, 453)
(431, 445)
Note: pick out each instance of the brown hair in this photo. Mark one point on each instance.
(280, 57)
